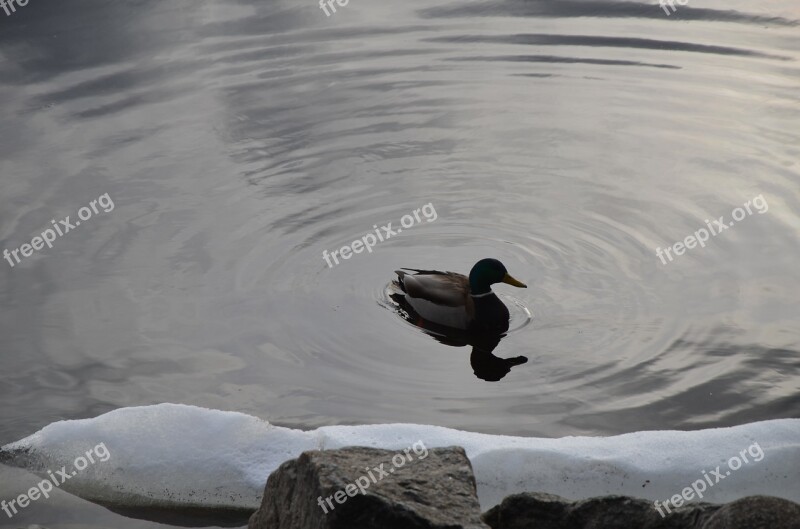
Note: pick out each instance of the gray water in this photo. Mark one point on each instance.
(239, 140)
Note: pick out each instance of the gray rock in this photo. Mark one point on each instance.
(437, 492)
(528, 510)
(622, 512)
(547, 511)
(756, 512)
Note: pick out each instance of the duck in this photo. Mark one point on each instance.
(458, 301)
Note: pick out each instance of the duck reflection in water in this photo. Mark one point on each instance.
(458, 310)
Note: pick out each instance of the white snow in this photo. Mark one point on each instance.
(177, 455)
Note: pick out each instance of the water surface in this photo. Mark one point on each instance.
(240, 139)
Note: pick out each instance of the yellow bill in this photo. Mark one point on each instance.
(513, 282)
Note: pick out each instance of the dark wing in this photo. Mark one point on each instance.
(442, 288)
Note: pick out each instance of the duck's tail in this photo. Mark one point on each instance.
(399, 281)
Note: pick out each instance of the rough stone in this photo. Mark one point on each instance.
(756, 512)
(434, 492)
(547, 511)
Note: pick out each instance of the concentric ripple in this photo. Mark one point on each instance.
(244, 141)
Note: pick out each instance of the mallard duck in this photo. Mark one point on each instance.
(457, 301)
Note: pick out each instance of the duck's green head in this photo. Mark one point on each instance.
(487, 272)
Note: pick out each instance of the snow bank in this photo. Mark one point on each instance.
(176, 455)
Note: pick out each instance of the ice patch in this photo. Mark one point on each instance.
(173, 455)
